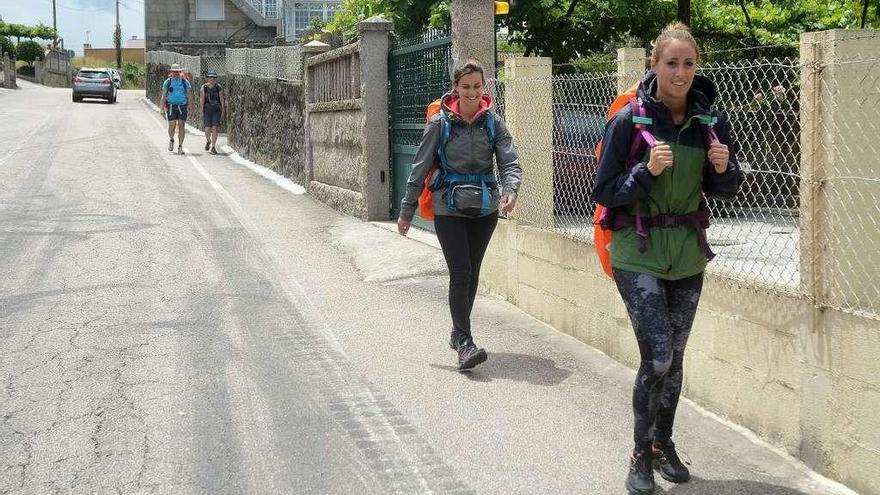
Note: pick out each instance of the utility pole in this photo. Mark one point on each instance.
(117, 39)
(54, 25)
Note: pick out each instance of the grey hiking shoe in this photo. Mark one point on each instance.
(170, 145)
(640, 479)
(469, 355)
(666, 461)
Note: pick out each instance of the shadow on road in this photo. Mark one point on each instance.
(517, 367)
(698, 486)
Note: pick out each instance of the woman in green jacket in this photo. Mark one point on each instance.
(659, 249)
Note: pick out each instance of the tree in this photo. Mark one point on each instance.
(6, 47)
(29, 51)
(353, 11)
(684, 11)
(21, 31)
(117, 43)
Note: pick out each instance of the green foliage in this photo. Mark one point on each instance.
(39, 31)
(7, 46)
(409, 16)
(351, 12)
(505, 46)
(440, 15)
(29, 51)
(569, 30)
(133, 75)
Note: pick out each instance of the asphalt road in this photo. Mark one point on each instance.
(179, 324)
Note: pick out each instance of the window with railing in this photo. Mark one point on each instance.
(298, 15)
(266, 8)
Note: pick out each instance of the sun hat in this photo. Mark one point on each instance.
(175, 68)
(211, 74)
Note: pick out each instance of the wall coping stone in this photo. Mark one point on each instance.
(334, 54)
(375, 23)
(336, 106)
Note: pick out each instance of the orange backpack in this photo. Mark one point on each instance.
(426, 198)
(603, 222)
(601, 233)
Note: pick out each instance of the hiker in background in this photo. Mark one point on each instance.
(659, 249)
(213, 110)
(176, 95)
(465, 135)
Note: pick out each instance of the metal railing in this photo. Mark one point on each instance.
(267, 8)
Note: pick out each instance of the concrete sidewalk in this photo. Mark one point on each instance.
(546, 413)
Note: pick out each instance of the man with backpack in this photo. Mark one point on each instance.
(213, 110)
(176, 94)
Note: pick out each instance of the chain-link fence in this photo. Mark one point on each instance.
(840, 182)
(214, 64)
(278, 62)
(757, 236)
(189, 63)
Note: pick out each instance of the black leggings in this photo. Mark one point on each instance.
(464, 242)
(662, 313)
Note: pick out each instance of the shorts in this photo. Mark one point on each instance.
(211, 117)
(176, 112)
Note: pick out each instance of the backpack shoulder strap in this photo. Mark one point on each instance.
(445, 133)
(709, 122)
(490, 127)
(641, 121)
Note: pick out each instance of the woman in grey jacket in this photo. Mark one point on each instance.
(466, 196)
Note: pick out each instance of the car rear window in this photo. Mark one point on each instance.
(93, 74)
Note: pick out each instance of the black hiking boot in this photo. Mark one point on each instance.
(207, 145)
(180, 149)
(666, 461)
(640, 480)
(469, 355)
(170, 145)
(213, 151)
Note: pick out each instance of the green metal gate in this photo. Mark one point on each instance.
(418, 73)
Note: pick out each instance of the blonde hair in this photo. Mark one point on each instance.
(674, 31)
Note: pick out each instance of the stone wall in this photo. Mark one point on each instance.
(348, 123)
(266, 123)
(8, 73)
(265, 120)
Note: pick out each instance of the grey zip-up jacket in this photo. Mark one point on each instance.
(468, 152)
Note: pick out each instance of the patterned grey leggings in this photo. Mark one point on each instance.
(662, 313)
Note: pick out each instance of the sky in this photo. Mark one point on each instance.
(75, 17)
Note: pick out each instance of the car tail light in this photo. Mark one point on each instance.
(105, 81)
(77, 79)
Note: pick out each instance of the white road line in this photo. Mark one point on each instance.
(297, 296)
(26, 139)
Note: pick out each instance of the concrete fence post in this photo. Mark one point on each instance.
(838, 109)
(309, 50)
(528, 107)
(374, 45)
(839, 103)
(630, 67)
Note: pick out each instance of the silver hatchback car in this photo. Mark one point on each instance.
(94, 83)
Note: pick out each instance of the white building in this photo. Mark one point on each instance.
(298, 14)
